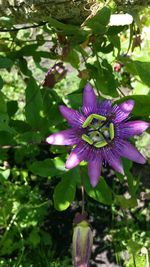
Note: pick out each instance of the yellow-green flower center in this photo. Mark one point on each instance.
(99, 132)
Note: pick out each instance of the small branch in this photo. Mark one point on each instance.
(23, 28)
(122, 94)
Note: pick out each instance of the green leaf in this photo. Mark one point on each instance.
(99, 22)
(114, 30)
(29, 138)
(22, 63)
(6, 138)
(48, 167)
(34, 237)
(4, 120)
(65, 191)
(101, 192)
(67, 29)
(74, 100)
(3, 105)
(34, 105)
(5, 62)
(105, 80)
(27, 50)
(4, 173)
(1, 82)
(126, 203)
(115, 41)
(12, 107)
(73, 58)
(20, 126)
(142, 69)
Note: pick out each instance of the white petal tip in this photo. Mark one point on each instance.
(72, 161)
(50, 140)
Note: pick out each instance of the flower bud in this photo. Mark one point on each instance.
(117, 67)
(54, 75)
(82, 244)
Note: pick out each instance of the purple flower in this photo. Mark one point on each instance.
(100, 133)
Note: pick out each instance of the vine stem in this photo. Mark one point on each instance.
(83, 199)
(23, 28)
(82, 193)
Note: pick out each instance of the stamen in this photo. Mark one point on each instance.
(91, 117)
(99, 117)
(87, 139)
(87, 121)
(100, 144)
(111, 131)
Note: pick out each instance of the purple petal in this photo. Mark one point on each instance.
(66, 137)
(123, 110)
(89, 100)
(129, 151)
(113, 159)
(73, 117)
(132, 128)
(94, 170)
(104, 107)
(78, 154)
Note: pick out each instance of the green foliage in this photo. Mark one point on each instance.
(102, 193)
(33, 177)
(65, 190)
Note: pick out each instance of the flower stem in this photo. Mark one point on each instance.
(82, 193)
(83, 200)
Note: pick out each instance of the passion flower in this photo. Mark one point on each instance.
(100, 133)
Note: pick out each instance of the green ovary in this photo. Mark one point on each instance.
(99, 132)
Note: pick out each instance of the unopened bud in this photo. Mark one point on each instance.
(82, 244)
(117, 67)
(54, 75)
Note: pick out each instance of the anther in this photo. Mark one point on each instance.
(91, 117)
(100, 144)
(87, 139)
(111, 131)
